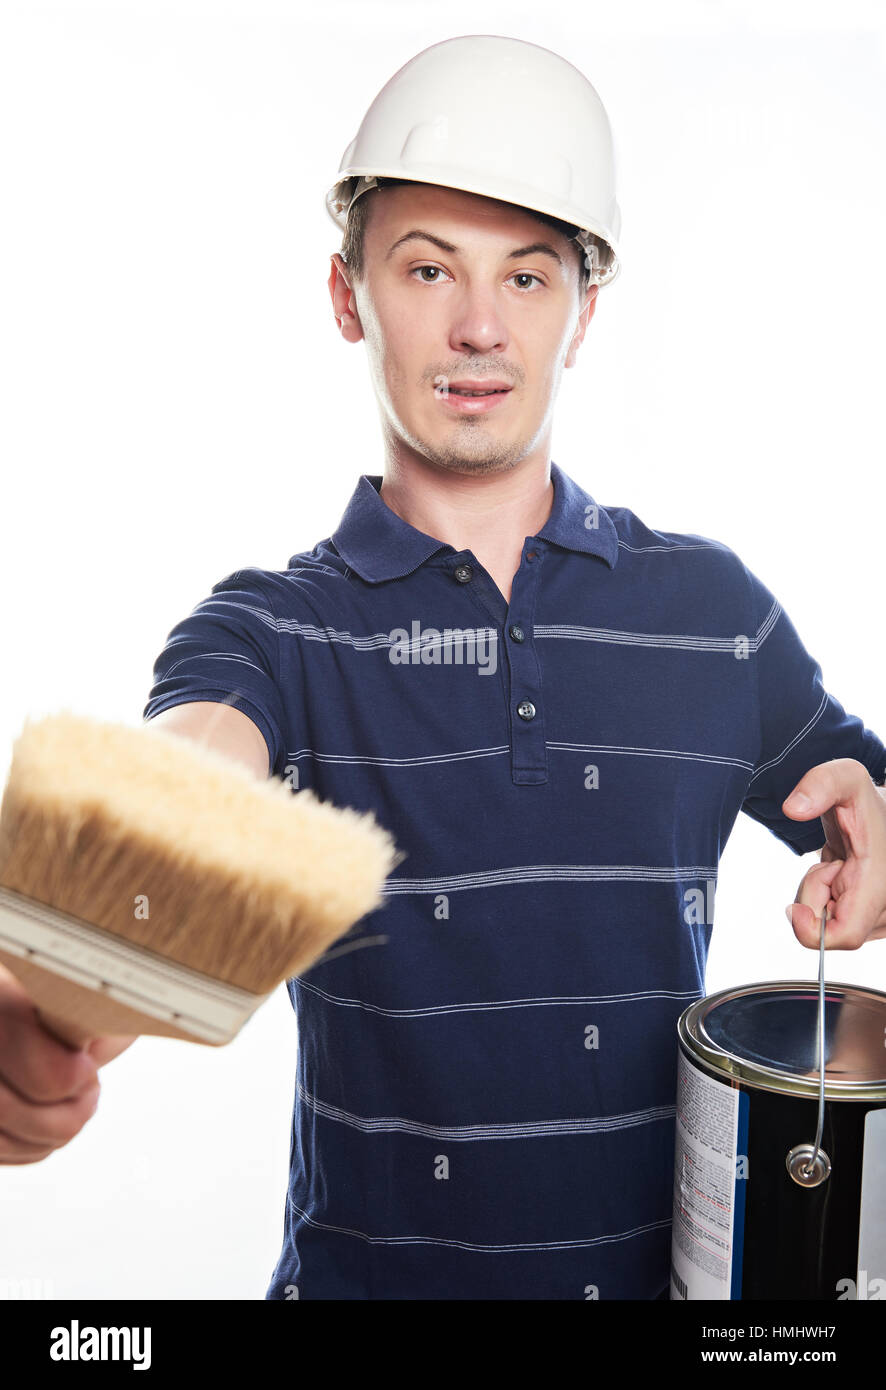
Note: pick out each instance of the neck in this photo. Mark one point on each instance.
(490, 514)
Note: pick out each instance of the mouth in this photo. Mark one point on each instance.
(472, 399)
(478, 386)
(490, 391)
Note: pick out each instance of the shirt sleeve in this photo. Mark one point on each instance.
(227, 650)
(801, 724)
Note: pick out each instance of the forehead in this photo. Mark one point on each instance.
(395, 210)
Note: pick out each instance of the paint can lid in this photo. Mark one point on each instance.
(767, 1034)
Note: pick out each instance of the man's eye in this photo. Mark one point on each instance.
(435, 268)
(525, 275)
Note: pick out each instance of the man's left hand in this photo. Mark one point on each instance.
(850, 880)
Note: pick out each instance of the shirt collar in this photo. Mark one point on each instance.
(378, 544)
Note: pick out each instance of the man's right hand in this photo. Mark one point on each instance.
(48, 1091)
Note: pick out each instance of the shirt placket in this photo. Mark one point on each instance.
(521, 671)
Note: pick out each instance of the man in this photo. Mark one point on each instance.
(556, 710)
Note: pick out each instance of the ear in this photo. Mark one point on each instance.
(344, 304)
(586, 313)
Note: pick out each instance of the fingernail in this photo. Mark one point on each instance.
(787, 913)
(799, 802)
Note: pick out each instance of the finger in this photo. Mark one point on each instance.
(853, 920)
(813, 896)
(806, 925)
(853, 909)
(32, 1061)
(42, 1126)
(14, 1152)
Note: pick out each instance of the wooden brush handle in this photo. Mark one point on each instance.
(70, 1033)
(76, 1014)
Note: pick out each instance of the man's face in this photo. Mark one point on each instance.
(435, 316)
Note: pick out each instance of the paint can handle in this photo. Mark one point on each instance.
(808, 1164)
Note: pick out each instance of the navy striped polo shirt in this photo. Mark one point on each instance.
(486, 1078)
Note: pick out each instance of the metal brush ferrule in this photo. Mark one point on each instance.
(133, 975)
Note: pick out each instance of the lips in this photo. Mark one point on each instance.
(477, 388)
(489, 398)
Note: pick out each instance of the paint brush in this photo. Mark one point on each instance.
(149, 884)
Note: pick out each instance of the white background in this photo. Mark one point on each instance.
(177, 404)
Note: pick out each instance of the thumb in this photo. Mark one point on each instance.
(103, 1050)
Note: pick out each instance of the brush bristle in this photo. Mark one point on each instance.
(173, 846)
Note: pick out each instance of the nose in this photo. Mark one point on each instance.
(478, 325)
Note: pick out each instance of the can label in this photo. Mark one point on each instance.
(710, 1176)
(870, 1281)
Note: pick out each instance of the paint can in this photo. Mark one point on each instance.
(753, 1218)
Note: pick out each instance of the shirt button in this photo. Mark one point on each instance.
(463, 573)
(526, 709)
(530, 555)
(516, 633)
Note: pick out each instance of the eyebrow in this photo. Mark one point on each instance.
(542, 248)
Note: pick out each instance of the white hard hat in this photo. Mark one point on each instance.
(499, 117)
